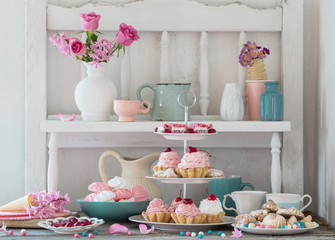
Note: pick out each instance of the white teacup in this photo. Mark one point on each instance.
(287, 200)
(245, 201)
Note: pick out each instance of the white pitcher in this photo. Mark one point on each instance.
(134, 171)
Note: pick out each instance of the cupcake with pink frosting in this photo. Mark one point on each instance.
(188, 213)
(167, 160)
(157, 211)
(194, 164)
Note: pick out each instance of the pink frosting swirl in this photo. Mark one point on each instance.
(188, 210)
(194, 160)
(157, 205)
(174, 205)
(168, 160)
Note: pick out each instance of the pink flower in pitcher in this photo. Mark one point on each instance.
(126, 35)
(89, 21)
(77, 47)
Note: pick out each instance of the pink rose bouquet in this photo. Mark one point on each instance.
(95, 49)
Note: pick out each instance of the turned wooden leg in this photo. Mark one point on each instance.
(53, 163)
(275, 166)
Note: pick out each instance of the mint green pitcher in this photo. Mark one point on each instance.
(165, 105)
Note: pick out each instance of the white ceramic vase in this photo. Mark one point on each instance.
(94, 95)
(232, 108)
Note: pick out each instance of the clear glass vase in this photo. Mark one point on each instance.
(271, 102)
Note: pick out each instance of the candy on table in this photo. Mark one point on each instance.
(210, 232)
(23, 232)
(193, 234)
(95, 232)
(11, 232)
(219, 233)
(201, 233)
(188, 234)
(200, 236)
(84, 234)
(76, 235)
(90, 235)
(223, 235)
(182, 233)
(251, 225)
(130, 233)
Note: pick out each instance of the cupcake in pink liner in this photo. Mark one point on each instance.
(194, 164)
(122, 194)
(166, 160)
(139, 193)
(157, 211)
(188, 213)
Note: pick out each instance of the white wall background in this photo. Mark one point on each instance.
(80, 166)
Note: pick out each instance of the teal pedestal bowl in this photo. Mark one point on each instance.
(112, 211)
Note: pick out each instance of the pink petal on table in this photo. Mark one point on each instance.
(60, 116)
(99, 187)
(144, 229)
(117, 228)
(72, 117)
(90, 197)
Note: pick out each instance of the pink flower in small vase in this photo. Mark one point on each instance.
(89, 21)
(126, 35)
(77, 47)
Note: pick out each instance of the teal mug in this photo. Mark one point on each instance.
(227, 185)
(165, 105)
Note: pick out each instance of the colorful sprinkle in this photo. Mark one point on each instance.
(90, 235)
(188, 234)
(262, 226)
(95, 232)
(256, 224)
(245, 225)
(295, 226)
(210, 232)
(84, 234)
(11, 232)
(270, 226)
(296, 223)
(201, 236)
(76, 235)
(246, 222)
(289, 226)
(223, 235)
(130, 233)
(182, 233)
(193, 234)
(219, 233)
(298, 226)
(282, 226)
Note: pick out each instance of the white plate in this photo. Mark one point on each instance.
(276, 231)
(70, 230)
(182, 227)
(184, 180)
(185, 136)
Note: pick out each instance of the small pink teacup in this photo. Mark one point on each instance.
(127, 109)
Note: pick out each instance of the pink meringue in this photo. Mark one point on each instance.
(99, 187)
(122, 194)
(139, 193)
(90, 197)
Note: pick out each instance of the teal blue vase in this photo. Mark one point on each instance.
(271, 102)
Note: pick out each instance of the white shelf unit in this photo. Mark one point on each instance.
(166, 17)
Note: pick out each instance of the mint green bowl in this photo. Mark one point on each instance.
(112, 211)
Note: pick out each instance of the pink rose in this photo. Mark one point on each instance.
(77, 47)
(89, 21)
(126, 35)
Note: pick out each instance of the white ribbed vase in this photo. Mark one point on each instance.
(232, 108)
(94, 95)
